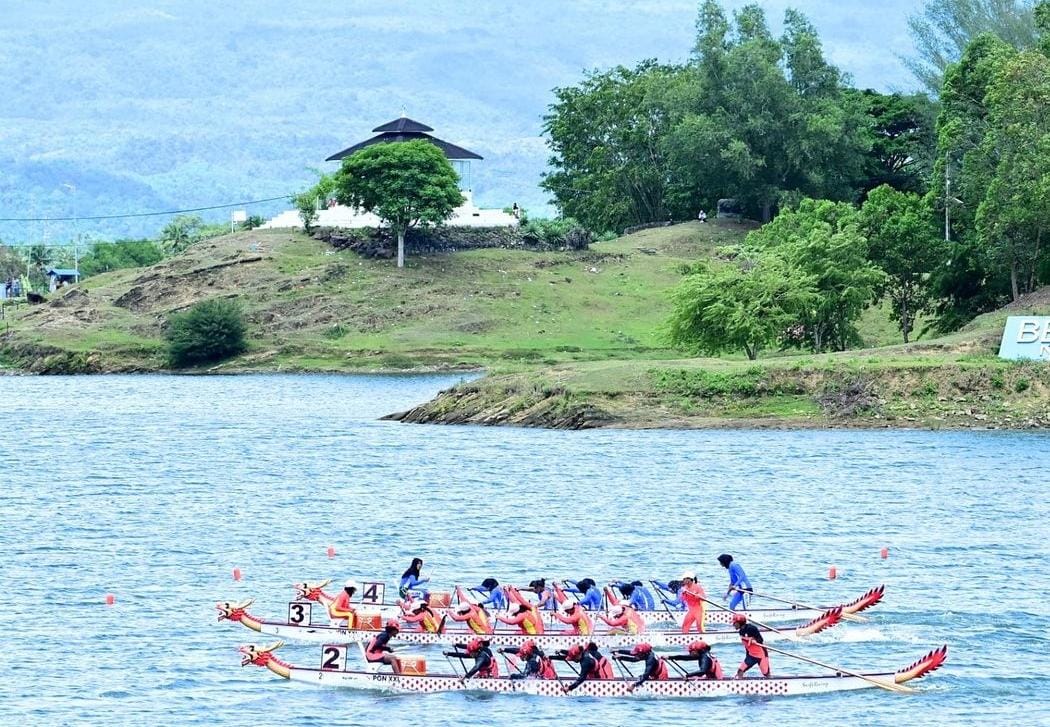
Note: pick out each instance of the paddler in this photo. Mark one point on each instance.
(754, 652)
(476, 618)
(546, 598)
(421, 613)
(674, 587)
(412, 579)
(526, 617)
(707, 665)
(692, 596)
(537, 665)
(379, 650)
(591, 596)
(638, 596)
(624, 619)
(577, 619)
(739, 584)
(485, 666)
(655, 667)
(593, 664)
(497, 599)
(340, 610)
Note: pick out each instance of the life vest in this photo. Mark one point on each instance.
(751, 645)
(602, 669)
(547, 670)
(479, 622)
(716, 669)
(371, 652)
(635, 622)
(693, 599)
(661, 671)
(430, 622)
(582, 623)
(340, 608)
(492, 670)
(533, 623)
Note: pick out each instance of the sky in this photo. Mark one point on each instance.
(168, 104)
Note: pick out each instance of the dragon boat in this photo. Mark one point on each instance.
(334, 672)
(373, 592)
(550, 641)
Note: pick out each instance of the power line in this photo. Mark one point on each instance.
(143, 214)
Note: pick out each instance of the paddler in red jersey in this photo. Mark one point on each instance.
(577, 619)
(526, 617)
(623, 618)
(340, 610)
(593, 664)
(694, 598)
(485, 666)
(421, 613)
(655, 667)
(754, 652)
(707, 665)
(379, 650)
(476, 618)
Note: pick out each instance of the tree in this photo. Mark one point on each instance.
(733, 307)
(903, 241)
(106, 256)
(211, 330)
(181, 232)
(310, 200)
(404, 183)
(945, 28)
(1014, 216)
(903, 141)
(11, 264)
(823, 240)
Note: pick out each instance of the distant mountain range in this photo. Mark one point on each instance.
(170, 104)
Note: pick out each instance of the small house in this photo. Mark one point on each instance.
(61, 276)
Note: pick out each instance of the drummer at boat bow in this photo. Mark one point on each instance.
(593, 664)
(739, 584)
(707, 665)
(340, 609)
(485, 666)
(754, 651)
(379, 650)
(655, 667)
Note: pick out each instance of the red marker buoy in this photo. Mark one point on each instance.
(331, 552)
(236, 574)
(110, 599)
(832, 573)
(884, 553)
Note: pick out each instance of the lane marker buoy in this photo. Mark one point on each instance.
(110, 599)
(331, 552)
(884, 553)
(236, 574)
(833, 573)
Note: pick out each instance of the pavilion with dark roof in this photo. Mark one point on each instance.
(406, 129)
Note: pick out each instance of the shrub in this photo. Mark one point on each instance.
(1022, 385)
(212, 330)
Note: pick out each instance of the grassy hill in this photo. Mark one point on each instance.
(311, 308)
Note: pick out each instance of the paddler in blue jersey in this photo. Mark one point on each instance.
(495, 597)
(674, 587)
(738, 581)
(591, 597)
(638, 596)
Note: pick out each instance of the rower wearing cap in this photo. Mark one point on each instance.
(623, 618)
(707, 665)
(340, 610)
(526, 617)
(379, 650)
(739, 584)
(754, 651)
(537, 665)
(575, 617)
(655, 667)
(496, 598)
(421, 613)
(476, 618)
(693, 596)
(593, 664)
(485, 666)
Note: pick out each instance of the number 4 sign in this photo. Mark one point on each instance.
(373, 593)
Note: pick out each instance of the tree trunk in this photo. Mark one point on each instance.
(767, 211)
(1013, 279)
(752, 353)
(401, 248)
(905, 321)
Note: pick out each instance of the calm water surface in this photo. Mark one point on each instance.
(154, 488)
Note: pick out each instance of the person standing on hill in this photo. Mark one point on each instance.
(739, 583)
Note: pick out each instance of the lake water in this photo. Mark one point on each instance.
(154, 488)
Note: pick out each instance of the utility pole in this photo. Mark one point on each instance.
(76, 233)
(947, 197)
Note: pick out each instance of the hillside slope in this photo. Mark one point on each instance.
(311, 308)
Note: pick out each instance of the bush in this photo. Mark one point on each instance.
(562, 232)
(212, 330)
(107, 256)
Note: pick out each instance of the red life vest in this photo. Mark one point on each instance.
(547, 670)
(491, 671)
(370, 651)
(602, 669)
(661, 671)
(716, 668)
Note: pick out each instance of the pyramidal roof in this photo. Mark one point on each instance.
(406, 129)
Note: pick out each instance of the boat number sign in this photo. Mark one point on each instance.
(1026, 338)
(333, 657)
(300, 612)
(373, 593)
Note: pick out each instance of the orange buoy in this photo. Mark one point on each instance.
(331, 552)
(832, 573)
(110, 599)
(884, 553)
(236, 574)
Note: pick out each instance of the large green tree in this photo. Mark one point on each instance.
(823, 239)
(405, 184)
(903, 242)
(748, 305)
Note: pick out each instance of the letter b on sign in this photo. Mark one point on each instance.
(1025, 338)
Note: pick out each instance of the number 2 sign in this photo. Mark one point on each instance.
(333, 657)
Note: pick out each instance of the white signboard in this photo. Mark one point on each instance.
(1026, 338)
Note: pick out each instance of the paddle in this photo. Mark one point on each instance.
(756, 623)
(846, 616)
(662, 594)
(876, 682)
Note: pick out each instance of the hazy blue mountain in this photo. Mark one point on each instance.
(166, 104)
